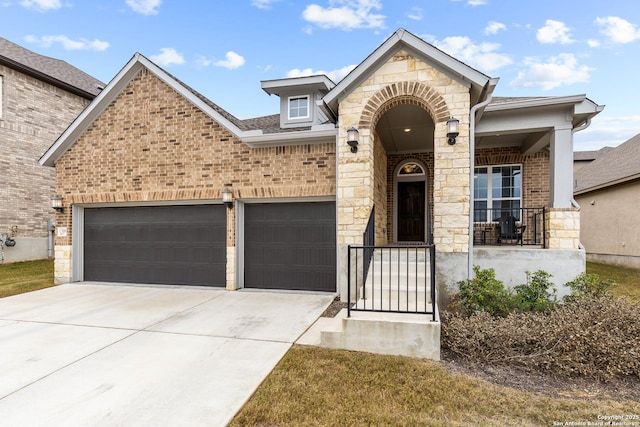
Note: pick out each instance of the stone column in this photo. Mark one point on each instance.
(563, 228)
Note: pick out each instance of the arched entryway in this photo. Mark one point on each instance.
(411, 202)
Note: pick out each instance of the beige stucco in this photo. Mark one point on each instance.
(608, 231)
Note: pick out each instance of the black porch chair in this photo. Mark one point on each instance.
(508, 229)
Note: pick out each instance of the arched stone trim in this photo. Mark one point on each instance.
(403, 93)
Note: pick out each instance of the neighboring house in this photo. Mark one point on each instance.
(608, 192)
(39, 98)
(144, 169)
(583, 158)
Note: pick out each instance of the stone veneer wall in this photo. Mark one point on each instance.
(34, 114)
(380, 193)
(563, 228)
(404, 79)
(151, 144)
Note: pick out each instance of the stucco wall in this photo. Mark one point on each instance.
(34, 115)
(609, 226)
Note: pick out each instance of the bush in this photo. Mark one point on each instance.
(588, 286)
(593, 337)
(538, 294)
(482, 294)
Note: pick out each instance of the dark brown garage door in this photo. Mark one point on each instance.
(290, 246)
(160, 244)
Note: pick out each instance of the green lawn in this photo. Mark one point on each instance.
(627, 279)
(21, 277)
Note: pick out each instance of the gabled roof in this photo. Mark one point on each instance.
(404, 40)
(51, 70)
(261, 131)
(621, 164)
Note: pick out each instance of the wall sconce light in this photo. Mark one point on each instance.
(227, 198)
(56, 203)
(453, 130)
(352, 139)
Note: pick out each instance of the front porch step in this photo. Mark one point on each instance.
(412, 335)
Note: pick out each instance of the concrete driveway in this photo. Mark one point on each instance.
(104, 355)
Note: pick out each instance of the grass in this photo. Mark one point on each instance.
(20, 277)
(627, 279)
(314, 386)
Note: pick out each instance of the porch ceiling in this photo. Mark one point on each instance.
(406, 129)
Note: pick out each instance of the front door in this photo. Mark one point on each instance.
(411, 211)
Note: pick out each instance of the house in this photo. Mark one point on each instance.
(410, 149)
(608, 191)
(39, 98)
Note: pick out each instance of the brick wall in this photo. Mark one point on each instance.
(151, 144)
(535, 172)
(34, 114)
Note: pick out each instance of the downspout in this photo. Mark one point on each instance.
(472, 154)
(574, 203)
(51, 227)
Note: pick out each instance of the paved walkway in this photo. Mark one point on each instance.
(104, 355)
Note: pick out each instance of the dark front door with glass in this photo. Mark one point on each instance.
(411, 211)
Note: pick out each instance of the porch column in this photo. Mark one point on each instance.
(561, 167)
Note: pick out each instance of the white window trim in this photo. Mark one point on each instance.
(289, 99)
(489, 199)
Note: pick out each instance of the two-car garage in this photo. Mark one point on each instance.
(284, 245)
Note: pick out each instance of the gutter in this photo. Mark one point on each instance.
(472, 154)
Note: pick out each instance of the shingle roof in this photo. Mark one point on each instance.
(55, 71)
(616, 165)
(590, 155)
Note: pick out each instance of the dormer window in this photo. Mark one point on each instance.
(299, 107)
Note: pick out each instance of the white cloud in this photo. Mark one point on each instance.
(144, 7)
(593, 43)
(477, 2)
(335, 75)
(416, 14)
(554, 32)
(263, 4)
(169, 56)
(494, 27)
(345, 14)
(556, 71)
(232, 61)
(618, 30)
(41, 5)
(483, 56)
(67, 43)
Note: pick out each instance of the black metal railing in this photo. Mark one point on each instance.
(509, 226)
(369, 240)
(395, 279)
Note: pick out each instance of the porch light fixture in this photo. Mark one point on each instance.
(352, 139)
(452, 130)
(227, 198)
(56, 203)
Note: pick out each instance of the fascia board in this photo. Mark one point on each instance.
(104, 99)
(537, 102)
(607, 184)
(291, 138)
(175, 85)
(416, 46)
(91, 113)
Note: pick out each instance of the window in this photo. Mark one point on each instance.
(497, 192)
(299, 107)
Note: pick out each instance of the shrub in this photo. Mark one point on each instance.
(538, 294)
(588, 285)
(483, 294)
(593, 337)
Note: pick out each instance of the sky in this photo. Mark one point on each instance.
(225, 48)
